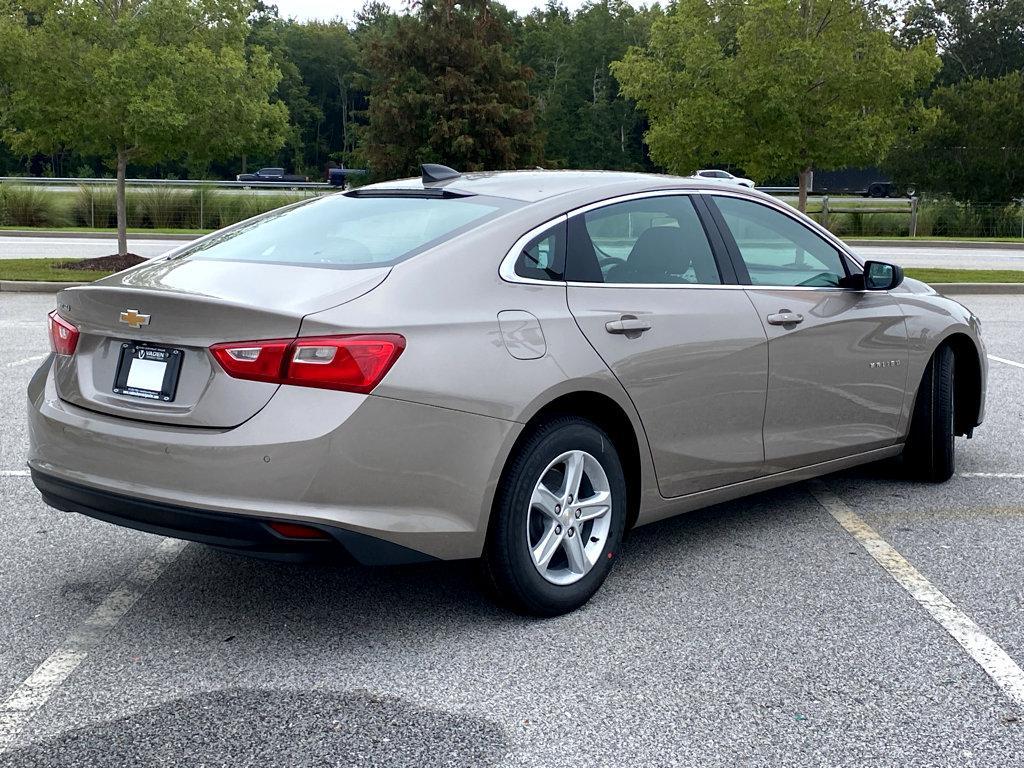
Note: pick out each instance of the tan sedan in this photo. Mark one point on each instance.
(515, 366)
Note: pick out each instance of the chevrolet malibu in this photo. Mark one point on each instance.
(517, 367)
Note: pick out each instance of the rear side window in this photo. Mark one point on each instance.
(777, 250)
(543, 258)
(350, 232)
(656, 240)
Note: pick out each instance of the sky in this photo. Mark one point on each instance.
(303, 10)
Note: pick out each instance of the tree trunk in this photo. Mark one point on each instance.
(122, 209)
(806, 175)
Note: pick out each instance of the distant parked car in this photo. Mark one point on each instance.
(271, 175)
(724, 176)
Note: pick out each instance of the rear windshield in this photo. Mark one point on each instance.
(349, 232)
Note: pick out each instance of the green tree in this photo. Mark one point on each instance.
(143, 81)
(977, 38)
(975, 149)
(586, 120)
(779, 87)
(444, 87)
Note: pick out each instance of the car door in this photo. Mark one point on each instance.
(668, 319)
(838, 356)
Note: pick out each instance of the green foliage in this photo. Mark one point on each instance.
(974, 150)
(978, 38)
(776, 86)
(143, 81)
(29, 206)
(586, 120)
(95, 206)
(444, 88)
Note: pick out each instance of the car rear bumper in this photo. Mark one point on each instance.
(418, 477)
(243, 533)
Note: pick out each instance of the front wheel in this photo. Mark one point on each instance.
(558, 519)
(929, 453)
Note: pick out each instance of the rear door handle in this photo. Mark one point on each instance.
(630, 325)
(785, 318)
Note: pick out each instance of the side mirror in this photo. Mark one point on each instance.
(882, 276)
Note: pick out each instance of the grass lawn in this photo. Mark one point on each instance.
(110, 230)
(936, 275)
(43, 269)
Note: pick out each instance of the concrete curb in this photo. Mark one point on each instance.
(93, 235)
(924, 243)
(952, 289)
(36, 286)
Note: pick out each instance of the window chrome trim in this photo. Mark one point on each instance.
(507, 268)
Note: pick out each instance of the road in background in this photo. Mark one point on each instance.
(753, 633)
(944, 256)
(33, 247)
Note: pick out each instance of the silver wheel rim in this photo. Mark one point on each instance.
(569, 518)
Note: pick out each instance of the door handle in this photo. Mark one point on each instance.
(785, 318)
(630, 325)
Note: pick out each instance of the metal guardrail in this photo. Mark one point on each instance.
(70, 181)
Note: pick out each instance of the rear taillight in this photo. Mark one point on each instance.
(355, 363)
(63, 336)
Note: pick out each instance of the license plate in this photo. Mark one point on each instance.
(148, 371)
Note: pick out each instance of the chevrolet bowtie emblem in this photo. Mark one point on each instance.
(133, 319)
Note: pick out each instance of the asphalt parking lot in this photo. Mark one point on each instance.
(759, 632)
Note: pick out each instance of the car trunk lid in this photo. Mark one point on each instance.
(183, 306)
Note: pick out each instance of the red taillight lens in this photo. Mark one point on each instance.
(63, 336)
(262, 361)
(355, 363)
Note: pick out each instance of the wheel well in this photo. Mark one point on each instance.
(967, 384)
(609, 416)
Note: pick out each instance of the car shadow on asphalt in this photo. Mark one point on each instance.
(260, 727)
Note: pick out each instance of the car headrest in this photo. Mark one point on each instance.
(658, 254)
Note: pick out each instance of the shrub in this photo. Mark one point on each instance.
(28, 206)
(165, 207)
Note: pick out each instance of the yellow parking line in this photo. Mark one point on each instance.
(999, 666)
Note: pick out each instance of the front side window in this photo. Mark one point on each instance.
(656, 240)
(776, 249)
(343, 231)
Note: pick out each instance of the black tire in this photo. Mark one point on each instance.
(930, 453)
(508, 565)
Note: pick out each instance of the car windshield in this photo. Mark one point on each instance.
(349, 232)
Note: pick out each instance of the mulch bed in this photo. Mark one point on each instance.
(113, 263)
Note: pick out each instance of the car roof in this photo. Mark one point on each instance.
(537, 185)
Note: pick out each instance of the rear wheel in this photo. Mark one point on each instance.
(929, 453)
(558, 519)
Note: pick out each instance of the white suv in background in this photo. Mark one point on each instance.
(724, 176)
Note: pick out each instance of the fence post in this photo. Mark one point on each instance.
(202, 192)
(824, 212)
(913, 216)
(92, 208)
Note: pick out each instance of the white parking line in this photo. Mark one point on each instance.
(23, 361)
(1007, 362)
(18, 709)
(987, 653)
(14, 473)
(992, 475)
